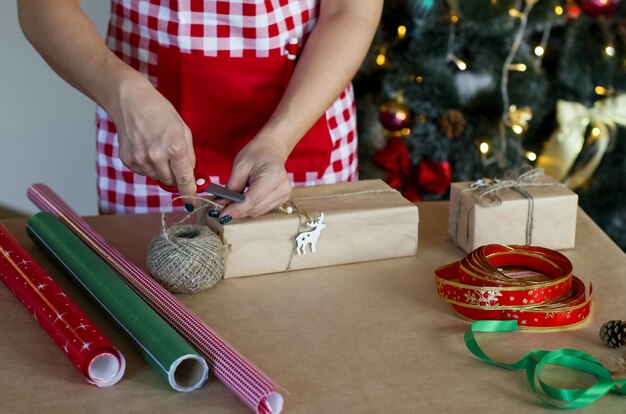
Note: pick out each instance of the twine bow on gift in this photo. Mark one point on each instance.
(488, 195)
(490, 188)
(567, 142)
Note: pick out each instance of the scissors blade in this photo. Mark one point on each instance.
(224, 192)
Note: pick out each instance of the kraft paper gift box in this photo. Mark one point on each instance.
(365, 220)
(545, 216)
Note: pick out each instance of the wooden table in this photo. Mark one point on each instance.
(368, 337)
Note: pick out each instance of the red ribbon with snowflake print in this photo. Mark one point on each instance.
(85, 346)
(530, 284)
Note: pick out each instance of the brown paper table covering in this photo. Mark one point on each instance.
(369, 337)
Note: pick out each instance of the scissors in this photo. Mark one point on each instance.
(204, 184)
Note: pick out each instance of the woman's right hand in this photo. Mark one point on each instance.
(154, 141)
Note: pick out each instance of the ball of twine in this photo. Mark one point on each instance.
(186, 258)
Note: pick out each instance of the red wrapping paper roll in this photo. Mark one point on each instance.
(83, 343)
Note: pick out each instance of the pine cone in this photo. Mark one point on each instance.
(452, 123)
(613, 333)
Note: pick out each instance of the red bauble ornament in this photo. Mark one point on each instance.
(599, 7)
(394, 115)
(572, 10)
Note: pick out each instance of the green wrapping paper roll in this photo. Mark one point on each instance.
(163, 348)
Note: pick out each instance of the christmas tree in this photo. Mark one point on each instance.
(456, 90)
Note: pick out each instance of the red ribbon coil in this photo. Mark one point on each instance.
(531, 284)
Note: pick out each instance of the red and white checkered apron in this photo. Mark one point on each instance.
(142, 32)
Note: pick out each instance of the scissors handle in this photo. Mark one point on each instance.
(204, 184)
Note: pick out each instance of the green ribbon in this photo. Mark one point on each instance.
(534, 361)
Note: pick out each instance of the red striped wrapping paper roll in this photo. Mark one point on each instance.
(85, 346)
(234, 370)
(531, 284)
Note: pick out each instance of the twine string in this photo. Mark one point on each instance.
(187, 216)
(304, 214)
(356, 193)
(186, 257)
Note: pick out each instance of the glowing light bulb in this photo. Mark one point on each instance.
(518, 67)
(517, 129)
(558, 10)
(595, 132)
(484, 148)
(600, 90)
(515, 13)
(380, 59)
(460, 64)
(539, 51)
(401, 31)
(419, 79)
(531, 156)
(454, 18)
(609, 50)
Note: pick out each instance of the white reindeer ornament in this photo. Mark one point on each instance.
(310, 237)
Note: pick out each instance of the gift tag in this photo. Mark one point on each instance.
(309, 238)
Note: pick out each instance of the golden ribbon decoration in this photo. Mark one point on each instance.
(567, 142)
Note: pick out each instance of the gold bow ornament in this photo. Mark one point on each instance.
(567, 142)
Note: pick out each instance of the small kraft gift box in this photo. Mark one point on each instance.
(322, 225)
(528, 209)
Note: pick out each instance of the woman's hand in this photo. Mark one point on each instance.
(260, 166)
(154, 141)
(332, 55)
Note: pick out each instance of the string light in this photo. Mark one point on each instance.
(531, 156)
(454, 18)
(504, 79)
(600, 90)
(381, 58)
(517, 67)
(459, 63)
(517, 129)
(450, 57)
(595, 132)
(401, 31)
(558, 10)
(610, 50)
(419, 79)
(540, 50)
(484, 148)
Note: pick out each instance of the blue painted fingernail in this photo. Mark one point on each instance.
(189, 207)
(225, 219)
(214, 213)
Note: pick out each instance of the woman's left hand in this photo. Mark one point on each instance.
(259, 166)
